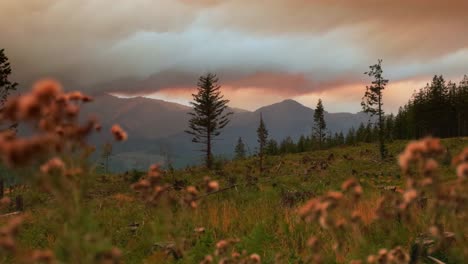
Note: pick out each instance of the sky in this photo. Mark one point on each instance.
(263, 51)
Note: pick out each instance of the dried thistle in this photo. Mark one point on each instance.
(119, 133)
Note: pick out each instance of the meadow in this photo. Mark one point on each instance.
(255, 214)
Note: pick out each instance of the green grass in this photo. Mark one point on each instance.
(262, 215)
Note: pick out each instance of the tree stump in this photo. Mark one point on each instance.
(19, 203)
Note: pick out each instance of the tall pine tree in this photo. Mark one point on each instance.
(209, 115)
(262, 137)
(319, 128)
(372, 101)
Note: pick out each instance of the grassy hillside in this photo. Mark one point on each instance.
(259, 210)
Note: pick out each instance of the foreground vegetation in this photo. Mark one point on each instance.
(261, 210)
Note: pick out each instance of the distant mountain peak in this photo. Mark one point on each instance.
(292, 102)
(289, 101)
(285, 105)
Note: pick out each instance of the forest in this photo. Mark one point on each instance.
(439, 109)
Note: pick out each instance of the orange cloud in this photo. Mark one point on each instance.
(347, 98)
(249, 98)
(337, 98)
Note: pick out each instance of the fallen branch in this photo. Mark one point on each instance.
(10, 214)
(279, 166)
(218, 191)
(228, 188)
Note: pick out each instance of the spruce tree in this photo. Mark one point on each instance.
(272, 147)
(287, 145)
(105, 155)
(301, 144)
(361, 133)
(351, 137)
(341, 139)
(240, 149)
(319, 129)
(372, 101)
(209, 115)
(6, 86)
(262, 137)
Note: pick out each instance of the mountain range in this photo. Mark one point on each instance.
(156, 129)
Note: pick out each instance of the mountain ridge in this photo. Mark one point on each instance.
(156, 127)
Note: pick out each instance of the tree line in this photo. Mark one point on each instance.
(439, 109)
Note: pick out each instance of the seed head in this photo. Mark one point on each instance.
(212, 186)
(410, 195)
(334, 196)
(46, 89)
(192, 190)
(119, 133)
(43, 256)
(348, 184)
(255, 258)
(462, 171)
(207, 260)
(53, 165)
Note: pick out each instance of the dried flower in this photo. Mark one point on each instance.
(46, 89)
(212, 186)
(221, 246)
(119, 133)
(43, 256)
(192, 190)
(335, 196)
(255, 258)
(207, 260)
(199, 230)
(348, 184)
(53, 165)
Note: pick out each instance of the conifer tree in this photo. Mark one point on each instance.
(372, 101)
(351, 137)
(272, 147)
(341, 139)
(301, 144)
(319, 129)
(287, 145)
(361, 133)
(262, 137)
(105, 155)
(239, 151)
(209, 115)
(6, 86)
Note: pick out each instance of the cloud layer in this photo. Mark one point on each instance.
(277, 48)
